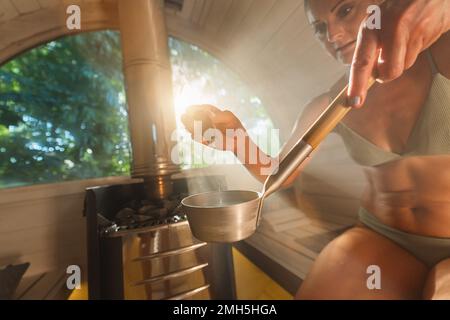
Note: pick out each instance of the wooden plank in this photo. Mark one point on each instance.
(300, 232)
(288, 225)
(66, 3)
(328, 225)
(268, 27)
(7, 11)
(59, 290)
(49, 3)
(200, 11)
(18, 34)
(285, 45)
(315, 229)
(259, 9)
(205, 11)
(283, 41)
(289, 241)
(294, 30)
(25, 284)
(60, 210)
(233, 19)
(41, 289)
(332, 216)
(45, 191)
(43, 261)
(283, 215)
(285, 219)
(197, 11)
(330, 205)
(315, 243)
(216, 15)
(52, 238)
(188, 7)
(26, 6)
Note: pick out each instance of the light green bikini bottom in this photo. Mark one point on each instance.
(430, 250)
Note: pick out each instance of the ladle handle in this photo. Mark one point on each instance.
(324, 124)
(329, 119)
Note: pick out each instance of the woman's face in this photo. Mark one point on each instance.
(336, 24)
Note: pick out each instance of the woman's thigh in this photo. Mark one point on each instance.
(437, 285)
(342, 271)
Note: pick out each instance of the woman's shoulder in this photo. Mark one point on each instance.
(318, 104)
(314, 108)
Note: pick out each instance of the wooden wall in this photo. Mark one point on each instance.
(44, 225)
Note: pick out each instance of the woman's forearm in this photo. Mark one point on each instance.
(256, 161)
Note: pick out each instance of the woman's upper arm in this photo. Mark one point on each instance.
(441, 52)
(311, 112)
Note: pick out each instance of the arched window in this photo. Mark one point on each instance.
(63, 112)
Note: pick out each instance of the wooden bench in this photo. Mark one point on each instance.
(50, 285)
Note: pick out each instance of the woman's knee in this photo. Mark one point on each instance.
(361, 264)
(437, 285)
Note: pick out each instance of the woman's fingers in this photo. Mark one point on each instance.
(392, 55)
(224, 118)
(415, 46)
(202, 113)
(188, 122)
(364, 62)
(408, 27)
(400, 44)
(210, 117)
(199, 108)
(393, 39)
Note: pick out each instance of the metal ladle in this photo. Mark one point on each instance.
(230, 216)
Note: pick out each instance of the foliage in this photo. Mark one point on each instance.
(62, 112)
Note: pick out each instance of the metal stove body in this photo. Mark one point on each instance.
(144, 249)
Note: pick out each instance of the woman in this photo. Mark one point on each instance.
(402, 138)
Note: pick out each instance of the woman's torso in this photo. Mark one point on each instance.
(402, 138)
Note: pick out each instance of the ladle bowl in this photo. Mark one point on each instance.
(222, 216)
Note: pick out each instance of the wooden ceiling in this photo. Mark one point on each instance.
(267, 42)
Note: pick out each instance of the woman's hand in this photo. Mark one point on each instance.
(408, 27)
(234, 137)
(211, 117)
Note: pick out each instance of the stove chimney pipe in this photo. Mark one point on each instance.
(148, 79)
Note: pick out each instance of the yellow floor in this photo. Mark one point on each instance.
(251, 283)
(80, 294)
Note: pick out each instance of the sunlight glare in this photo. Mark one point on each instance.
(190, 94)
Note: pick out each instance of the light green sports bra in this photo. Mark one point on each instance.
(430, 135)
